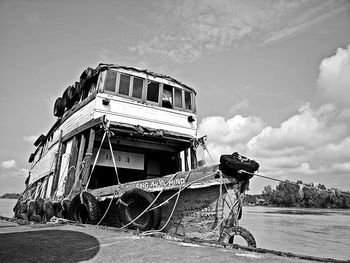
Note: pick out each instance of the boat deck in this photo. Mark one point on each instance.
(73, 243)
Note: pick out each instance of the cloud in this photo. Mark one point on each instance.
(334, 79)
(234, 130)
(184, 31)
(8, 164)
(313, 145)
(30, 138)
(308, 18)
(240, 107)
(22, 172)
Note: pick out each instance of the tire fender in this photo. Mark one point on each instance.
(132, 204)
(58, 109)
(84, 208)
(48, 211)
(229, 235)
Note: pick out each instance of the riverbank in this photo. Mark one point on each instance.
(76, 243)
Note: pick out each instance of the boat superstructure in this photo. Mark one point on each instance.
(123, 152)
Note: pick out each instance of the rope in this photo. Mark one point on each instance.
(150, 205)
(151, 232)
(114, 164)
(292, 183)
(109, 206)
(95, 161)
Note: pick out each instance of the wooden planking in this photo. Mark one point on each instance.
(88, 157)
(44, 166)
(72, 166)
(58, 162)
(83, 127)
(66, 157)
(78, 118)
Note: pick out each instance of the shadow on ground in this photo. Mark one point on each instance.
(47, 246)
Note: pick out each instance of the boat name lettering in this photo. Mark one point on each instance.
(157, 183)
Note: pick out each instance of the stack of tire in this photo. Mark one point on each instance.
(34, 210)
(231, 164)
(72, 93)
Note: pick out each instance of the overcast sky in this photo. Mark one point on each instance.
(273, 77)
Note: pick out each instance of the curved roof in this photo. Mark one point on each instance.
(102, 67)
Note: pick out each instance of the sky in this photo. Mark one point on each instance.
(272, 77)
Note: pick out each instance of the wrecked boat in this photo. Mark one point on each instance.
(123, 153)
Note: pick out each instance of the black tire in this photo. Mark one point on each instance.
(58, 109)
(239, 231)
(133, 203)
(23, 216)
(39, 207)
(36, 218)
(31, 210)
(77, 91)
(62, 209)
(86, 212)
(231, 164)
(48, 211)
(68, 96)
(23, 207)
(86, 77)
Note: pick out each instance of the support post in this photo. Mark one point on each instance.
(57, 166)
(88, 157)
(186, 160)
(71, 166)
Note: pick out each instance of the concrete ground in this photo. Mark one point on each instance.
(69, 243)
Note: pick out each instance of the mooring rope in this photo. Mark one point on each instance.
(301, 185)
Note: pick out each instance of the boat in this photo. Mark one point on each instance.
(123, 153)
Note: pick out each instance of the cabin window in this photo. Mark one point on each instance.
(188, 101)
(178, 98)
(110, 81)
(167, 99)
(124, 84)
(137, 88)
(152, 91)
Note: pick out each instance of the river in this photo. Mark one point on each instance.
(315, 232)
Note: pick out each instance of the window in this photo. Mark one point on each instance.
(124, 84)
(188, 101)
(110, 81)
(167, 99)
(178, 98)
(152, 91)
(137, 88)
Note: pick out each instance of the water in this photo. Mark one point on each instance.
(315, 232)
(6, 206)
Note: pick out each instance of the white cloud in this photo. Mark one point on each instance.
(234, 130)
(22, 172)
(241, 107)
(30, 138)
(334, 79)
(184, 31)
(8, 164)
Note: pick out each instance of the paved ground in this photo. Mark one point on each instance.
(68, 243)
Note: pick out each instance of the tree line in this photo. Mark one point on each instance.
(297, 194)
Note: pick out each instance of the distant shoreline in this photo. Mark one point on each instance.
(10, 196)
